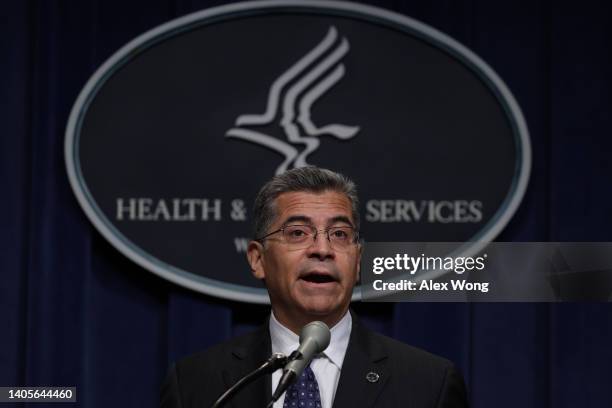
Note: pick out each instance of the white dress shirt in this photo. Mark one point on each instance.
(326, 366)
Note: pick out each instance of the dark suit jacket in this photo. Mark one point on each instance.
(408, 377)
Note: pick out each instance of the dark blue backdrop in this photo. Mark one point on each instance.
(75, 312)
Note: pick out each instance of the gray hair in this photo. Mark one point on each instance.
(308, 179)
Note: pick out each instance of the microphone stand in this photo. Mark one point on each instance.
(276, 361)
(279, 388)
(282, 386)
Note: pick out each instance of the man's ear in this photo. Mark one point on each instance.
(255, 257)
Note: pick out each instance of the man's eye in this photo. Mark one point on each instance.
(296, 232)
(340, 234)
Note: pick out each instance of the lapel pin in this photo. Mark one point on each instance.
(372, 377)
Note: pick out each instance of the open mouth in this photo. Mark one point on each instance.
(318, 278)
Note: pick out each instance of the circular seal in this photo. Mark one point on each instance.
(372, 377)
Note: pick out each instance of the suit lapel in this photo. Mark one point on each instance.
(246, 357)
(364, 370)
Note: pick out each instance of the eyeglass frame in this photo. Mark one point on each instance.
(314, 236)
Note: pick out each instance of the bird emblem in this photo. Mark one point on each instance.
(290, 99)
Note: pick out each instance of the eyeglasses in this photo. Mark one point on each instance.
(302, 236)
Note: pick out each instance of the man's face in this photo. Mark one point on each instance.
(315, 281)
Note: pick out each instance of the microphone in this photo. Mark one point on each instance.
(314, 339)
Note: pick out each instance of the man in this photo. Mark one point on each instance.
(307, 252)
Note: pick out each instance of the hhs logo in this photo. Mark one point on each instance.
(290, 99)
(154, 214)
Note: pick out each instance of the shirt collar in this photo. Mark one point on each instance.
(285, 341)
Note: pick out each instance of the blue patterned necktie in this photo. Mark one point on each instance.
(304, 392)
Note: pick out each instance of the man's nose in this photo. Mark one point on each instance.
(321, 247)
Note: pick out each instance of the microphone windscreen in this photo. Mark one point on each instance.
(319, 332)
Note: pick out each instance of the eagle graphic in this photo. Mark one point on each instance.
(291, 98)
